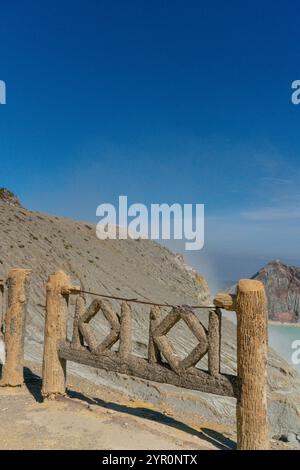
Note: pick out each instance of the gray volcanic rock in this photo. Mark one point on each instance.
(132, 268)
(282, 285)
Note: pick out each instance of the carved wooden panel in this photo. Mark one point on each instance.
(89, 336)
(85, 347)
(165, 346)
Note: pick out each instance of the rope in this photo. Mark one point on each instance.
(144, 302)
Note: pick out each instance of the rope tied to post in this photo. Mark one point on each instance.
(78, 290)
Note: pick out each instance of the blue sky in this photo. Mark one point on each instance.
(164, 101)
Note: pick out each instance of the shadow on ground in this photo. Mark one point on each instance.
(34, 384)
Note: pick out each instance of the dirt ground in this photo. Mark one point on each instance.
(93, 417)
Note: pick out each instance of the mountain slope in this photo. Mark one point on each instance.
(133, 268)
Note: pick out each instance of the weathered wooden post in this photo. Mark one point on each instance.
(77, 338)
(125, 348)
(214, 343)
(54, 368)
(252, 342)
(15, 319)
(1, 308)
(154, 356)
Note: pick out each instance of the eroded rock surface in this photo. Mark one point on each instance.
(282, 285)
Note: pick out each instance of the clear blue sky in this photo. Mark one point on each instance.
(165, 101)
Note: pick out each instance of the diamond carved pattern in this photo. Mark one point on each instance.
(87, 332)
(165, 346)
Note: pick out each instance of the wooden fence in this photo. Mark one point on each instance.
(161, 364)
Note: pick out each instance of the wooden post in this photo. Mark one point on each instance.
(18, 287)
(153, 351)
(54, 368)
(77, 339)
(214, 341)
(1, 309)
(252, 339)
(125, 347)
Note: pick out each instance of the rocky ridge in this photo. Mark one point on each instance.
(282, 283)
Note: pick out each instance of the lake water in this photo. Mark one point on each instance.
(281, 338)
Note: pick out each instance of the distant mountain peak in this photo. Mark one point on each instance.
(282, 283)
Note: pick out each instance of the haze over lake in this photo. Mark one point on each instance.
(281, 338)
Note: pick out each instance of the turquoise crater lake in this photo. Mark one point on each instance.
(281, 337)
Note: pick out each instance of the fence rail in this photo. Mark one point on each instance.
(162, 364)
